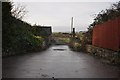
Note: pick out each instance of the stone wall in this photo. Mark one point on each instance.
(108, 55)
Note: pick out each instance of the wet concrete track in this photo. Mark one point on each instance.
(58, 62)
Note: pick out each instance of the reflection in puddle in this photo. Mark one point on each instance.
(59, 49)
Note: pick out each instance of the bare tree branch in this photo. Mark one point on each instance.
(18, 11)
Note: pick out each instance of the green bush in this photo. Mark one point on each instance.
(18, 36)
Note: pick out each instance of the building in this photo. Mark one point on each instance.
(45, 32)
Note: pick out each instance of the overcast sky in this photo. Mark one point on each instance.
(58, 14)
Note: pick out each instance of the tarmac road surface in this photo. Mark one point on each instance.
(58, 62)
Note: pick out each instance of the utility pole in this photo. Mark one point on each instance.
(71, 26)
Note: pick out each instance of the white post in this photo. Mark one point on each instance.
(72, 25)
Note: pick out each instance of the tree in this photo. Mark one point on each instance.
(6, 25)
(102, 17)
(18, 11)
(107, 14)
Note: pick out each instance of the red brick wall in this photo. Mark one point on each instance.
(107, 35)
